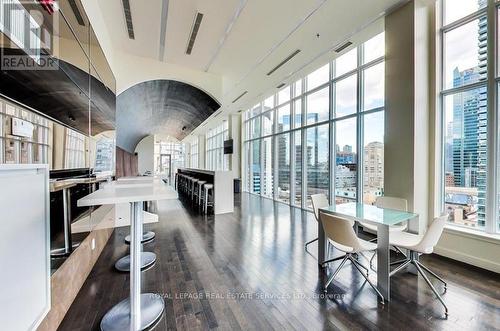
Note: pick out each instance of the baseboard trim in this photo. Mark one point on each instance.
(469, 259)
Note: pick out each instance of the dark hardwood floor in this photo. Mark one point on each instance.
(249, 271)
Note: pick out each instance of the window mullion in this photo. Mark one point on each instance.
(359, 142)
(331, 137)
(492, 122)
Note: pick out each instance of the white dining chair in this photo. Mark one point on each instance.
(342, 236)
(321, 201)
(318, 201)
(389, 203)
(418, 244)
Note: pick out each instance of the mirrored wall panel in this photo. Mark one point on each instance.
(57, 107)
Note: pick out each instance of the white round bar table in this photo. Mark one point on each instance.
(147, 236)
(139, 311)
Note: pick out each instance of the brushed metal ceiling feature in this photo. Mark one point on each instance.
(160, 107)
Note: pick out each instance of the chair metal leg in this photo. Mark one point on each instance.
(398, 261)
(371, 260)
(309, 242)
(363, 256)
(360, 265)
(392, 263)
(399, 268)
(332, 260)
(431, 272)
(400, 251)
(355, 263)
(421, 272)
(335, 273)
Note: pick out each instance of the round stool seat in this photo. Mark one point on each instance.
(146, 237)
(147, 260)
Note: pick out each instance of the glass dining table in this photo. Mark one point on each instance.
(383, 218)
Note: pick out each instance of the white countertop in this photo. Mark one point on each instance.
(122, 194)
(134, 183)
(138, 178)
(60, 185)
(91, 180)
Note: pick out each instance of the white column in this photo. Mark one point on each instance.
(408, 82)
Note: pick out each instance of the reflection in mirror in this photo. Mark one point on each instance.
(60, 91)
(67, 113)
(101, 65)
(102, 105)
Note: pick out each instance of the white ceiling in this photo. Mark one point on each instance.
(241, 40)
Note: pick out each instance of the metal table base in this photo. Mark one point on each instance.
(139, 311)
(118, 318)
(68, 243)
(147, 260)
(146, 237)
(63, 251)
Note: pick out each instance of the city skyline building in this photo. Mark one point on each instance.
(466, 140)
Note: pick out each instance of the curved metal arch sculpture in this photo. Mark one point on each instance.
(160, 106)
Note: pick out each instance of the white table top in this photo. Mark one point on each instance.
(368, 213)
(135, 183)
(118, 194)
(138, 178)
(91, 180)
(60, 185)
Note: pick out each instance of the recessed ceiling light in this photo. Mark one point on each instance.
(128, 18)
(194, 32)
(282, 63)
(240, 96)
(343, 46)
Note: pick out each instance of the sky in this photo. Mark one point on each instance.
(456, 9)
(460, 45)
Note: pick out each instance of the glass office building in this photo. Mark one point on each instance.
(313, 129)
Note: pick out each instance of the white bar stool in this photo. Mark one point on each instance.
(190, 187)
(199, 191)
(206, 203)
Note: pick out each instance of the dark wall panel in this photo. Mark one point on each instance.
(127, 164)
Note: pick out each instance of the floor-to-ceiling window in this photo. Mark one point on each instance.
(320, 127)
(195, 153)
(169, 156)
(267, 146)
(283, 167)
(15, 149)
(215, 157)
(317, 161)
(468, 132)
(74, 153)
(255, 186)
(105, 155)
